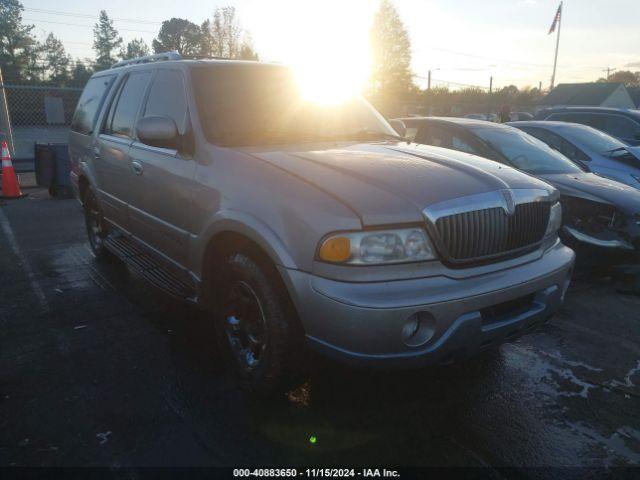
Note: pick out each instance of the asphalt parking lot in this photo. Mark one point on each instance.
(97, 368)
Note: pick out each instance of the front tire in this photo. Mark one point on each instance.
(260, 326)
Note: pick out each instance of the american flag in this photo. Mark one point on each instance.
(556, 19)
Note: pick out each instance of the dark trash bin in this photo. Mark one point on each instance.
(52, 168)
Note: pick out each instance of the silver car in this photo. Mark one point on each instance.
(300, 225)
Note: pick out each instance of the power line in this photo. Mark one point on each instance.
(87, 15)
(482, 57)
(85, 26)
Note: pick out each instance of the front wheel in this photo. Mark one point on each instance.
(260, 326)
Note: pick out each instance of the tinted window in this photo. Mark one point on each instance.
(120, 121)
(593, 120)
(166, 98)
(525, 152)
(411, 133)
(84, 118)
(444, 137)
(621, 127)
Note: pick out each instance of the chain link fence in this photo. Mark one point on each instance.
(32, 114)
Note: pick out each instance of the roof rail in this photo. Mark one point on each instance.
(158, 57)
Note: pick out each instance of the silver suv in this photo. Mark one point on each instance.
(298, 225)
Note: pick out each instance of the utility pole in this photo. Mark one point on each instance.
(540, 86)
(429, 80)
(609, 71)
(555, 58)
(490, 85)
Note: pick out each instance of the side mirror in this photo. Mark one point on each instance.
(157, 131)
(399, 127)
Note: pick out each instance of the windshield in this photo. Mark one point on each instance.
(526, 152)
(595, 140)
(257, 104)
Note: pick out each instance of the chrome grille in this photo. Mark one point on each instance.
(491, 231)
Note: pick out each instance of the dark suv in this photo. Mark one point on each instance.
(621, 123)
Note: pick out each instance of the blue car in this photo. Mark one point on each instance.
(621, 123)
(590, 148)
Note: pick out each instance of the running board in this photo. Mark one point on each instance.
(168, 279)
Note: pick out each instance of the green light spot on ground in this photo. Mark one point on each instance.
(313, 439)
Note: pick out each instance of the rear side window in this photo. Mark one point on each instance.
(621, 127)
(125, 108)
(444, 137)
(166, 98)
(84, 118)
(590, 119)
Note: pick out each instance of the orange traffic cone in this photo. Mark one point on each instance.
(10, 185)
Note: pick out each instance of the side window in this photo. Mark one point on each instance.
(621, 127)
(125, 107)
(437, 136)
(166, 98)
(590, 119)
(460, 144)
(411, 133)
(93, 95)
(443, 137)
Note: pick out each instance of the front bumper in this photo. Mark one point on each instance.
(361, 323)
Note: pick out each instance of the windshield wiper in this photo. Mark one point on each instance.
(614, 150)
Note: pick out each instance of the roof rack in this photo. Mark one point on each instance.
(158, 57)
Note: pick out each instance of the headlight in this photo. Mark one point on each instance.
(555, 219)
(377, 247)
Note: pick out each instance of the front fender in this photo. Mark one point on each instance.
(248, 226)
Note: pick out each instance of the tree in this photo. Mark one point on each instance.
(207, 40)
(225, 38)
(135, 48)
(630, 79)
(105, 41)
(391, 53)
(247, 52)
(55, 60)
(81, 73)
(180, 35)
(18, 47)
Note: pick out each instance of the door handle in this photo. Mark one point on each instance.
(137, 167)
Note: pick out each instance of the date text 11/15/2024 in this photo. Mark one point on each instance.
(316, 472)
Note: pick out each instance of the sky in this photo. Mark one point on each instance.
(461, 41)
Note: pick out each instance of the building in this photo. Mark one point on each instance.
(634, 92)
(601, 94)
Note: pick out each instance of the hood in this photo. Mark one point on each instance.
(393, 182)
(596, 188)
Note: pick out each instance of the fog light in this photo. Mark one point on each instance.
(418, 329)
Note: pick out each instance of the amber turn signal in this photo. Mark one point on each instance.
(335, 249)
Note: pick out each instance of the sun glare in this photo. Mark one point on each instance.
(329, 52)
